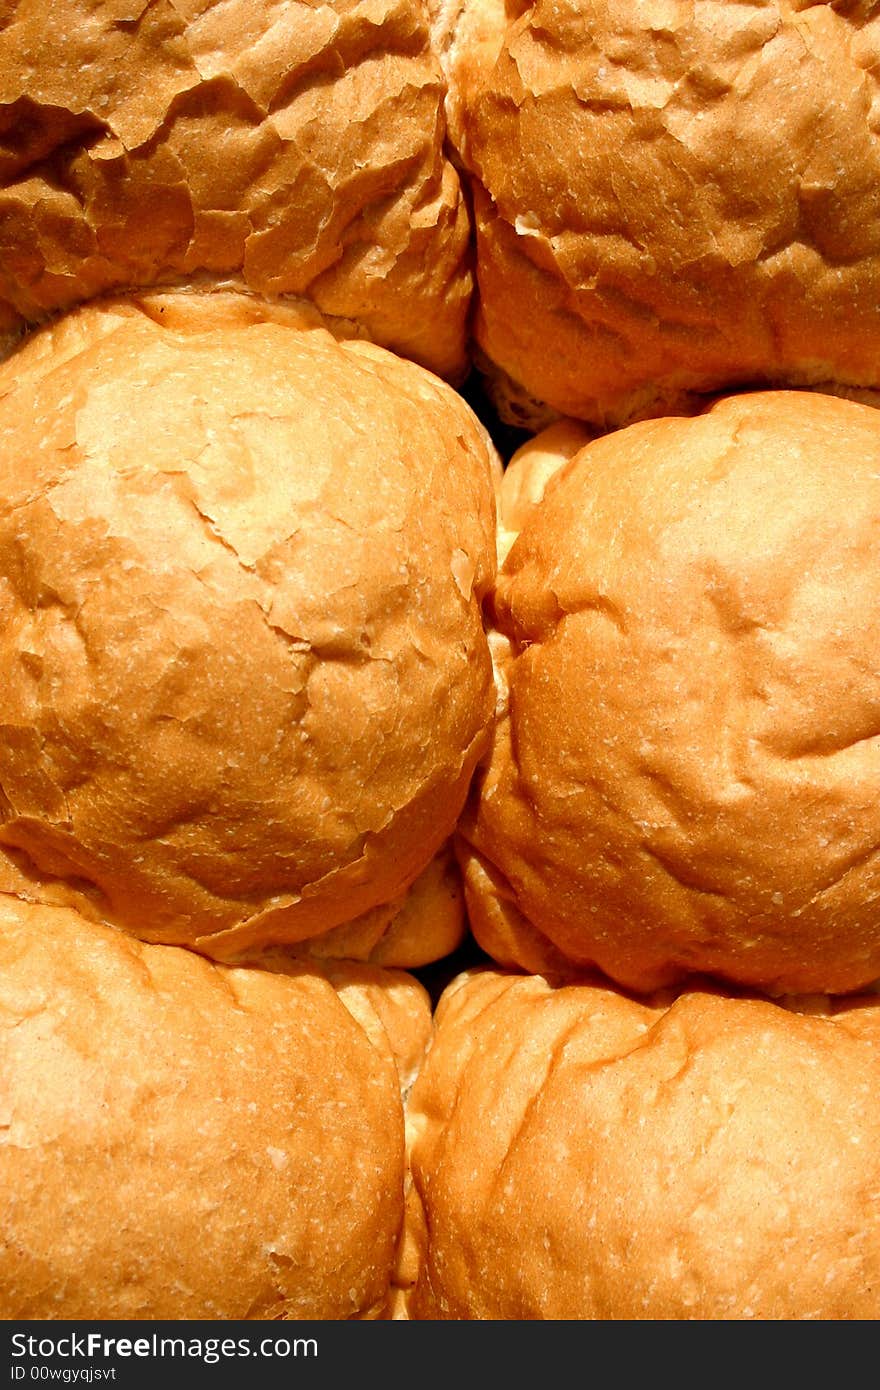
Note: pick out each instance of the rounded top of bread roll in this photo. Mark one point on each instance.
(670, 198)
(425, 924)
(241, 566)
(188, 1140)
(691, 1157)
(528, 472)
(686, 773)
(296, 149)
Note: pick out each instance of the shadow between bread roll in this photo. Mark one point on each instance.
(187, 1140)
(528, 472)
(698, 1155)
(685, 772)
(241, 568)
(670, 199)
(424, 925)
(296, 149)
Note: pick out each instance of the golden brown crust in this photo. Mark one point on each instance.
(392, 1007)
(423, 925)
(247, 678)
(686, 771)
(187, 1140)
(529, 471)
(296, 149)
(670, 198)
(690, 1157)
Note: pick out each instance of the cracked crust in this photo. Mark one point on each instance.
(297, 149)
(685, 774)
(247, 678)
(423, 925)
(670, 198)
(691, 1156)
(182, 1139)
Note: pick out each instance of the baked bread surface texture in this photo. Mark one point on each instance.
(579, 1154)
(685, 774)
(295, 149)
(241, 566)
(670, 198)
(187, 1140)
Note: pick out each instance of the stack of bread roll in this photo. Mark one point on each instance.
(440, 733)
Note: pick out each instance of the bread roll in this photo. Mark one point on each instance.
(686, 771)
(670, 199)
(241, 566)
(294, 149)
(528, 472)
(185, 1140)
(579, 1154)
(425, 924)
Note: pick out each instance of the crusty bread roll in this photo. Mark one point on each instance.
(297, 149)
(182, 1139)
(580, 1154)
(528, 472)
(425, 924)
(686, 770)
(669, 198)
(241, 563)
